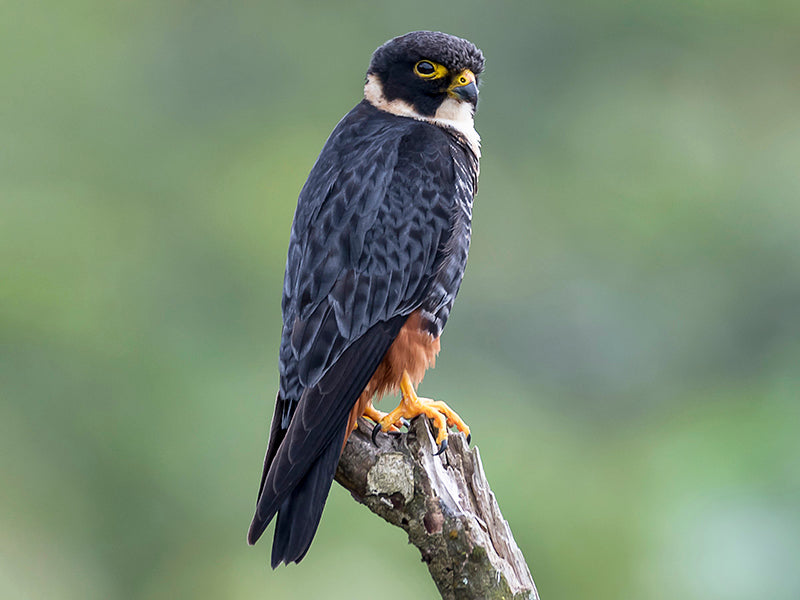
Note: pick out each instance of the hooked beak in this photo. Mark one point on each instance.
(464, 87)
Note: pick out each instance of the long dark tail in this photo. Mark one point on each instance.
(300, 513)
(301, 460)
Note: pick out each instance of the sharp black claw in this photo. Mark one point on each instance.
(406, 423)
(469, 438)
(442, 447)
(375, 431)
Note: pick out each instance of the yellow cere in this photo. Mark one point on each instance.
(427, 69)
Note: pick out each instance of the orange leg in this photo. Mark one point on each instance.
(412, 406)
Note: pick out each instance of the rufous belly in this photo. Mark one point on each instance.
(414, 350)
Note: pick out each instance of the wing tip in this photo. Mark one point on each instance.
(257, 528)
(252, 537)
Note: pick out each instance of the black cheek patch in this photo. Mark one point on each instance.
(427, 105)
(424, 95)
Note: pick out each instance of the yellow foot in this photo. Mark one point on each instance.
(412, 406)
(373, 414)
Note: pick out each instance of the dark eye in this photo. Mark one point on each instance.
(425, 68)
(429, 70)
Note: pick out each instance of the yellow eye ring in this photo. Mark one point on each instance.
(427, 69)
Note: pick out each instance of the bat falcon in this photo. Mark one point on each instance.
(377, 252)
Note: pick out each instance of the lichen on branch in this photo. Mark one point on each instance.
(445, 505)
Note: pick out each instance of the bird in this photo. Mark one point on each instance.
(377, 253)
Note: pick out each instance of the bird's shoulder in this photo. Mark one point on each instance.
(365, 125)
(368, 151)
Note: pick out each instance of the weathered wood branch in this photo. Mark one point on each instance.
(445, 505)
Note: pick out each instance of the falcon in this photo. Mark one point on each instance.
(377, 253)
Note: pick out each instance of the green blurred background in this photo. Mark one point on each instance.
(626, 344)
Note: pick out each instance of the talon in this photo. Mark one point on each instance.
(375, 431)
(412, 406)
(469, 438)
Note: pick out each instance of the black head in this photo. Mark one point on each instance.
(425, 68)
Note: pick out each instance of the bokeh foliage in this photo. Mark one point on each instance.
(626, 345)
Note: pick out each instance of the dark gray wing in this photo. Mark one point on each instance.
(371, 221)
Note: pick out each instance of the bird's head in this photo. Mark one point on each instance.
(425, 74)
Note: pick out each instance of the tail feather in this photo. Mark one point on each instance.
(300, 514)
(299, 468)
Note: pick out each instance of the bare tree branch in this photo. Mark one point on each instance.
(445, 505)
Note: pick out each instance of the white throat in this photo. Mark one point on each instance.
(452, 113)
